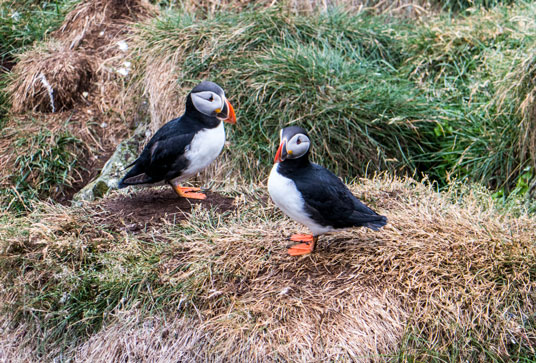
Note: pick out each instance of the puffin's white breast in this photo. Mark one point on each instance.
(288, 198)
(204, 149)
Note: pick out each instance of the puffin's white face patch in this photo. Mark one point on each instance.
(297, 146)
(208, 102)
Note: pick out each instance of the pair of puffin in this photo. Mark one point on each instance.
(306, 192)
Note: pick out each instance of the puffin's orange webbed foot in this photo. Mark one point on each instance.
(302, 237)
(191, 195)
(188, 192)
(302, 248)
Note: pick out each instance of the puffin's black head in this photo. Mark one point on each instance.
(209, 99)
(294, 144)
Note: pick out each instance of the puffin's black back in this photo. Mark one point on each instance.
(163, 156)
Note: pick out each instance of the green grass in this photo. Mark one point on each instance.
(452, 6)
(455, 6)
(25, 22)
(44, 164)
(4, 101)
(335, 74)
(472, 64)
(429, 98)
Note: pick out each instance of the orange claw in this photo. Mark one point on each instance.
(190, 195)
(189, 189)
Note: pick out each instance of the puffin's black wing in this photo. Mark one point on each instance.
(330, 202)
(162, 159)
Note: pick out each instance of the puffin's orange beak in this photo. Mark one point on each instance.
(280, 155)
(231, 117)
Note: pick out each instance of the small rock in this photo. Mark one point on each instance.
(113, 170)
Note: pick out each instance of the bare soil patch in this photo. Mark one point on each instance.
(149, 207)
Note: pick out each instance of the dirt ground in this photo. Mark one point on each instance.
(151, 206)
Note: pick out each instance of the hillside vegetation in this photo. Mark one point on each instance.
(450, 97)
(426, 109)
(448, 278)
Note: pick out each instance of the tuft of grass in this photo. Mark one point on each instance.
(472, 64)
(455, 6)
(42, 166)
(50, 78)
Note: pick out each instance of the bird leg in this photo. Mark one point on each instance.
(187, 192)
(302, 248)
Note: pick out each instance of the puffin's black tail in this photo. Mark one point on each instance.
(376, 225)
(122, 184)
(133, 177)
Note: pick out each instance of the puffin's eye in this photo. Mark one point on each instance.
(211, 98)
(298, 141)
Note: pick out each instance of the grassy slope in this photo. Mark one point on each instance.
(449, 97)
(449, 276)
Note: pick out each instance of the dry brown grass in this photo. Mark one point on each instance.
(11, 343)
(97, 23)
(449, 270)
(84, 56)
(446, 269)
(165, 97)
(50, 79)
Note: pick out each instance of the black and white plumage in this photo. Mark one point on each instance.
(312, 195)
(185, 145)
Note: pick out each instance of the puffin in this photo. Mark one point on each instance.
(312, 195)
(185, 145)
